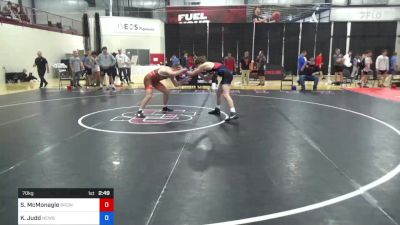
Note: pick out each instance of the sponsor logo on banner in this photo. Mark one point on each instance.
(365, 14)
(207, 14)
(192, 18)
(124, 25)
(127, 27)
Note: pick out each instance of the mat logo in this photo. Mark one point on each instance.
(155, 117)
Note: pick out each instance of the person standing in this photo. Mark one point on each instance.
(42, 66)
(95, 69)
(257, 18)
(319, 62)
(76, 65)
(229, 62)
(366, 69)
(129, 68)
(122, 61)
(338, 63)
(107, 63)
(394, 64)
(184, 60)
(191, 63)
(261, 66)
(356, 66)
(88, 69)
(347, 64)
(174, 60)
(245, 68)
(382, 67)
(214, 68)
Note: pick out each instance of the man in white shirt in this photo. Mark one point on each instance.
(347, 64)
(122, 62)
(382, 67)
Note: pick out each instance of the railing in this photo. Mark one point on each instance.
(31, 17)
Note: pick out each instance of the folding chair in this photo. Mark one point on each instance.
(63, 75)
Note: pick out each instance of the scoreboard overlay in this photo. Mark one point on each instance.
(66, 206)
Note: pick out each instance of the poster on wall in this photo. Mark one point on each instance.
(207, 14)
(243, 14)
(365, 14)
(130, 26)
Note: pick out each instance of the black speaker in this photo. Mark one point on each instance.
(85, 31)
(97, 35)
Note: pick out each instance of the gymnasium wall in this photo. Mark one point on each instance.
(20, 44)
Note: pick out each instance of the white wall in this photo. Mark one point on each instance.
(114, 36)
(20, 44)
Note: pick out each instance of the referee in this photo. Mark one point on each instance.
(42, 66)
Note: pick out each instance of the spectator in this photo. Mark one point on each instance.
(6, 10)
(14, 9)
(106, 62)
(309, 70)
(347, 64)
(229, 62)
(42, 66)
(88, 69)
(184, 60)
(114, 69)
(365, 67)
(174, 60)
(76, 66)
(301, 61)
(95, 68)
(245, 68)
(338, 63)
(128, 68)
(191, 61)
(257, 18)
(319, 62)
(382, 67)
(122, 62)
(394, 65)
(356, 67)
(23, 15)
(261, 66)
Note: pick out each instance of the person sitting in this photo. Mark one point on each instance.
(308, 74)
(23, 15)
(6, 10)
(14, 9)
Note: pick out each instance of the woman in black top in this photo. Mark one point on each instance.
(257, 18)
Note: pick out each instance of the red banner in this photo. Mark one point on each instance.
(205, 14)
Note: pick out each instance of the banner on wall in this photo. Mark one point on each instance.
(207, 14)
(130, 26)
(365, 14)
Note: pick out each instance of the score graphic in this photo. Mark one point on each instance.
(82, 206)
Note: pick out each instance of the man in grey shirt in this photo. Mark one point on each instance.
(76, 65)
(106, 62)
(338, 62)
